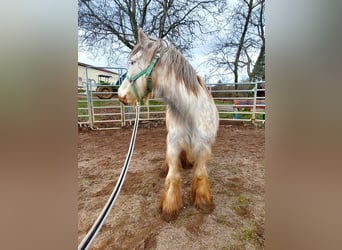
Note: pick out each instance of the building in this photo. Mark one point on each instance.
(94, 74)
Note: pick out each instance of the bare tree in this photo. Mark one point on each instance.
(243, 41)
(258, 72)
(113, 24)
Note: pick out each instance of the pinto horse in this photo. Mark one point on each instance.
(191, 118)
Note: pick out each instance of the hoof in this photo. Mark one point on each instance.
(169, 215)
(201, 196)
(171, 201)
(204, 206)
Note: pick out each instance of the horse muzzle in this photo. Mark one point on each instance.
(123, 99)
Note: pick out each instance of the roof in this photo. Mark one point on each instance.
(98, 68)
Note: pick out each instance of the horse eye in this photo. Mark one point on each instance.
(132, 62)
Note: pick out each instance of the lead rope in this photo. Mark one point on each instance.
(87, 240)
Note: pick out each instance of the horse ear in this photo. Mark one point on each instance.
(141, 36)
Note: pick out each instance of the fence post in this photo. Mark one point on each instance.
(148, 109)
(254, 102)
(89, 100)
(122, 111)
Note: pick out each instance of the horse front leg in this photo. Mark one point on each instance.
(171, 198)
(200, 192)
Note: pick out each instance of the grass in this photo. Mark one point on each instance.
(223, 102)
(223, 220)
(231, 116)
(224, 115)
(241, 206)
(156, 105)
(226, 192)
(247, 235)
(242, 200)
(82, 104)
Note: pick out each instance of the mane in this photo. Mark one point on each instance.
(182, 70)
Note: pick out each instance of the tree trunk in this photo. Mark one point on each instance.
(259, 67)
(242, 41)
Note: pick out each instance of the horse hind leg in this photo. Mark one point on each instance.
(164, 169)
(185, 162)
(201, 196)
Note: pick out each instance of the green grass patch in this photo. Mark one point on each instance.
(252, 234)
(156, 105)
(231, 116)
(109, 102)
(247, 235)
(223, 102)
(241, 200)
(223, 220)
(82, 104)
(155, 102)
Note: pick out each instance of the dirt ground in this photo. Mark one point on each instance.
(236, 174)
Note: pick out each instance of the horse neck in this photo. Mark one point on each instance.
(178, 98)
(179, 92)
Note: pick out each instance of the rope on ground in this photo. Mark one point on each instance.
(90, 236)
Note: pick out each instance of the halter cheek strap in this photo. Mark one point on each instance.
(147, 73)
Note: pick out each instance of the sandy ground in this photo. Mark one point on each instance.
(236, 174)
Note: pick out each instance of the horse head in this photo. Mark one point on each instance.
(138, 81)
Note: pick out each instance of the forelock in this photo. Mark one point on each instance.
(136, 49)
(148, 48)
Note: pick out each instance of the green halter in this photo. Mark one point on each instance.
(147, 73)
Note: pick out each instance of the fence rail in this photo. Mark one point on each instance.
(235, 102)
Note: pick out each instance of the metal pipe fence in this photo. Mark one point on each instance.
(244, 102)
(240, 101)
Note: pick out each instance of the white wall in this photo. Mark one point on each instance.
(93, 76)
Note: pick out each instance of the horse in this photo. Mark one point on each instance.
(191, 118)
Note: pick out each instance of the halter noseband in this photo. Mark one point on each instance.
(147, 73)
